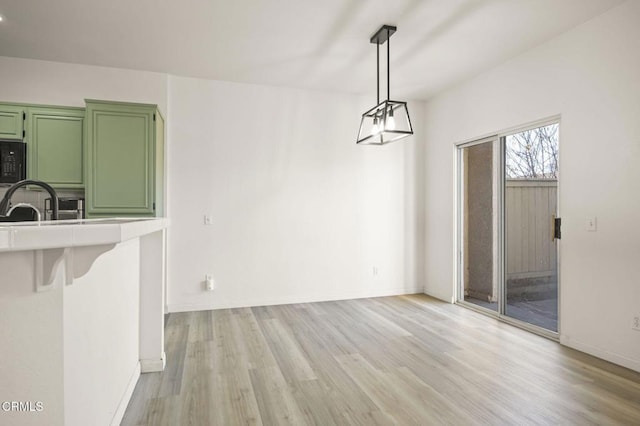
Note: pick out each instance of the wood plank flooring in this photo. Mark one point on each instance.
(406, 360)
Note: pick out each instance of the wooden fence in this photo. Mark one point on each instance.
(530, 206)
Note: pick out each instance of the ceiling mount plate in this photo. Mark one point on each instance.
(383, 34)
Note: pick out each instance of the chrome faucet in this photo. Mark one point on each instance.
(4, 204)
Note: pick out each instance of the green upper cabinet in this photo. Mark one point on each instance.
(55, 146)
(124, 144)
(12, 121)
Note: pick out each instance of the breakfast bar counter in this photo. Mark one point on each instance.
(81, 316)
(16, 236)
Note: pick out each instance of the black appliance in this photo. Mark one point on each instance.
(68, 208)
(13, 161)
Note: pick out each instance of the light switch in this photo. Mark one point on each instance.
(592, 224)
(208, 220)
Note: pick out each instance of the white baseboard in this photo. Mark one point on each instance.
(444, 297)
(601, 353)
(124, 401)
(206, 306)
(153, 365)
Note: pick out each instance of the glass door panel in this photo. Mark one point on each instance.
(530, 203)
(478, 225)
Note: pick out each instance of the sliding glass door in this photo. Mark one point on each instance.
(508, 226)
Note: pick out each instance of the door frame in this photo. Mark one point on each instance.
(499, 228)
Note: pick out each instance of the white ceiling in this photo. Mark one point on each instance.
(321, 45)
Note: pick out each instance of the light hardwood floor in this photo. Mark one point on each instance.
(395, 360)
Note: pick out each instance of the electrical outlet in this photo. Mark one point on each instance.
(208, 220)
(375, 271)
(636, 323)
(210, 284)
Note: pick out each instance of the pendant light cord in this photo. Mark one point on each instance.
(388, 72)
(378, 73)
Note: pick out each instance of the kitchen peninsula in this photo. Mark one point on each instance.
(81, 316)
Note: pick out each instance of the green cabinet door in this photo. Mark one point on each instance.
(55, 146)
(121, 155)
(11, 122)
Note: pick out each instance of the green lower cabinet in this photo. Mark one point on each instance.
(123, 144)
(11, 121)
(55, 146)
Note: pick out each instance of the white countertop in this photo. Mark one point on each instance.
(18, 236)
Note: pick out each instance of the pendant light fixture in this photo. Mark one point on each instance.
(389, 120)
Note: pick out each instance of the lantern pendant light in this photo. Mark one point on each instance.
(389, 120)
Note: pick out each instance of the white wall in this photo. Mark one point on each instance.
(32, 335)
(101, 336)
(589, 75)
(300, 213)
(55, 83)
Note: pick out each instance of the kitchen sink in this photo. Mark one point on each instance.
(13, 219)
(22, 212)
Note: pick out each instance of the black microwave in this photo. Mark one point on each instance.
(13, 161)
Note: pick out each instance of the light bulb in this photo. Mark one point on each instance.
(391, 123)
(375, 130)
